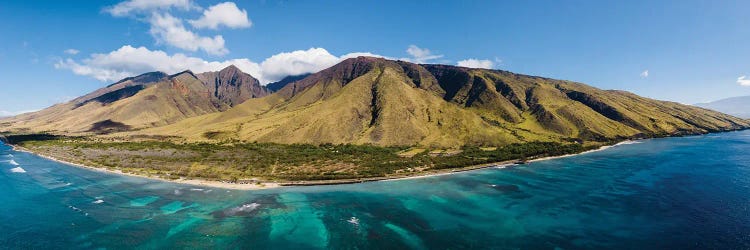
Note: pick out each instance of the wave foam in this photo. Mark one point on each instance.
(246, 208)
(14, 163)
(201, 190)
(98, 201)
(627, 143)
(354, 221)
(18, 170)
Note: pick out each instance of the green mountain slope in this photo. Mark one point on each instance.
(382, 102)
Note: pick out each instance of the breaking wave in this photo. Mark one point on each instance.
(13, 162)
(244, 209)
(18, 170)
(628, 143)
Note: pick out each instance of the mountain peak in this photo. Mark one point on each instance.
(231, 68)
(230, 86)
(363, 59)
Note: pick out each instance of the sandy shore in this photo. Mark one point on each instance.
(267, 185)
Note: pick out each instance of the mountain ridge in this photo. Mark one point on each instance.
(384, 102)
(147, 100)
(368, 100)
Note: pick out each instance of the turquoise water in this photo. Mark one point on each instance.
(676, 193)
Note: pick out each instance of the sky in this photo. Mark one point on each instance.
(684, 51)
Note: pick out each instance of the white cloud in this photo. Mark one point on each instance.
(128, 7)
(476, 63)
(644, 74)
(170, 30)
(297, 62)
(420, 55)
(742, 81)
(358, 54)
(129, 61)
(71, 51)
(226, 14)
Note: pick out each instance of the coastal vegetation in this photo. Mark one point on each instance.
(234, 161)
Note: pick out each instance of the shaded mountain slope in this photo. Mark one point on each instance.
(276, 86)
(371, 100)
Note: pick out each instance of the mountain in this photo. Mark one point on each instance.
(148, 100)
(736, 106)
(276, 86)
(231, 86)
(382, 102)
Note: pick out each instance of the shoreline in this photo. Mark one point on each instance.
(194, 182)
(271, 184)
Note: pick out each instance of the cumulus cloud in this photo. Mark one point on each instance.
(476, 63)
(129, 61)
(644, 74)
(170, 30)
(300, 62)
(71, 51)
(742, 81)
(136, 6)
(420, 55)
(223, 14)
(297, 62)
(358, 54)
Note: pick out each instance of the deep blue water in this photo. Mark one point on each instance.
(675, 193)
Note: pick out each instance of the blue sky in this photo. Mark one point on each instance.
(692, 51)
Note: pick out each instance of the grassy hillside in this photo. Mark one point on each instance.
(369, 101)
(394, 103)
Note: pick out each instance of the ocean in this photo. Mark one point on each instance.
(670, 193)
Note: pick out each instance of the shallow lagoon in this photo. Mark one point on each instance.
(689, 192)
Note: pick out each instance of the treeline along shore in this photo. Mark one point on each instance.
(286, 164)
